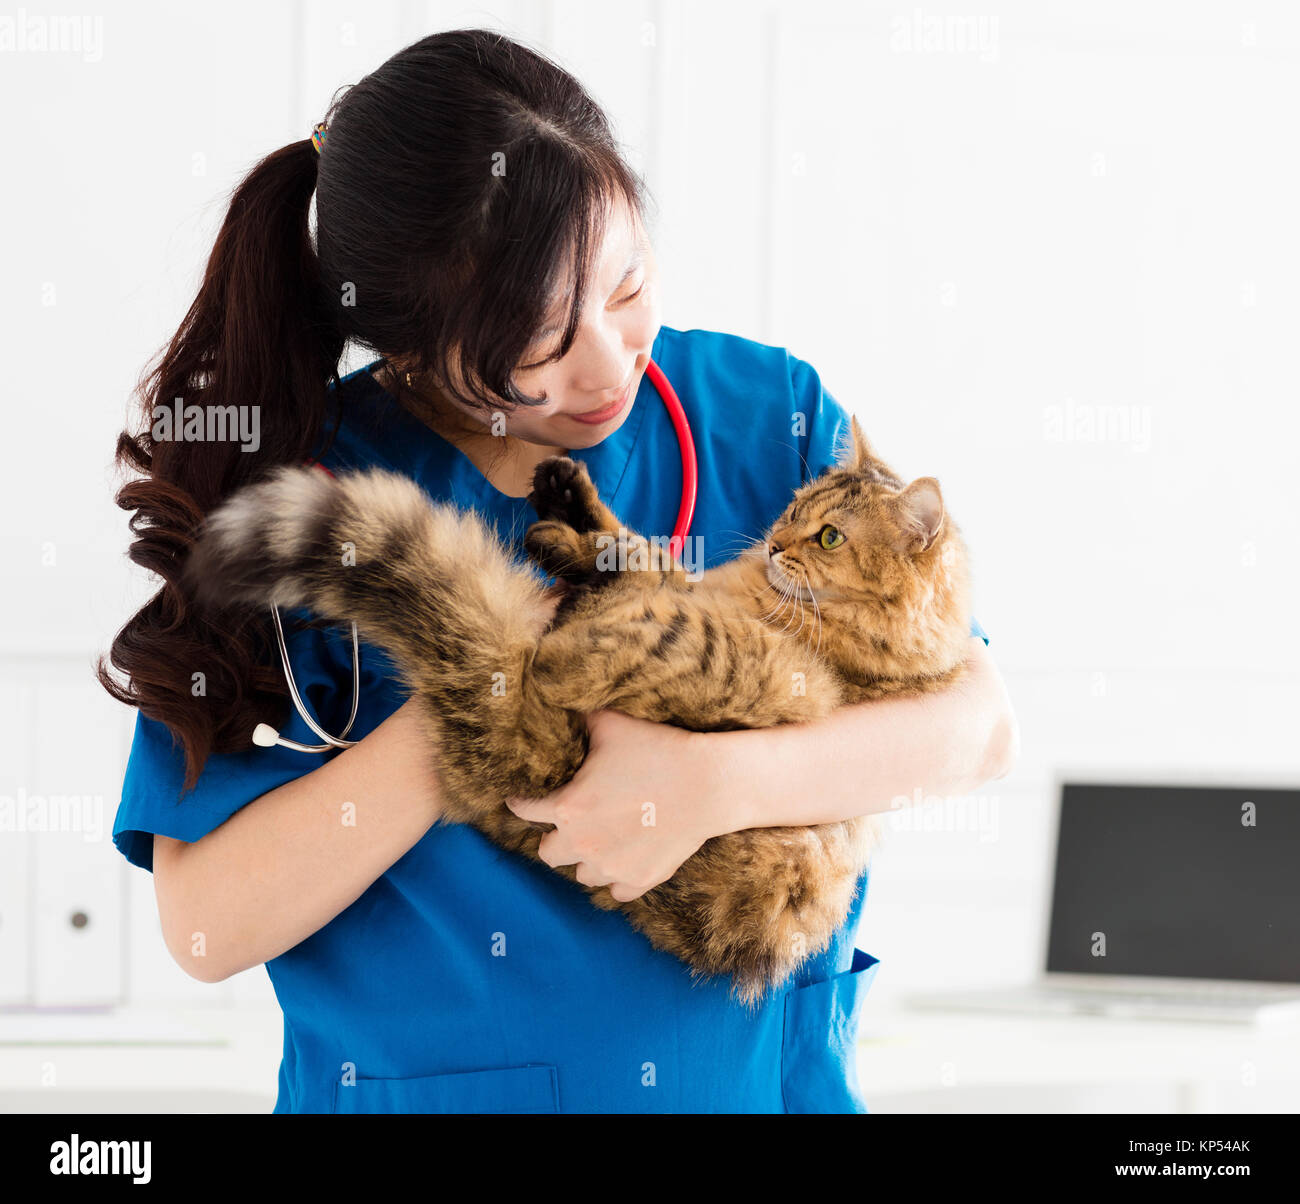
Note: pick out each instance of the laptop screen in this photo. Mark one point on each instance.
(1177, 881)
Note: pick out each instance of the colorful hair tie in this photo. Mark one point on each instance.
(318, 136)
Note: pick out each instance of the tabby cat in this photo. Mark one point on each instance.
(860, 590)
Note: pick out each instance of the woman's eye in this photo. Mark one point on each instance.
(543, 359)
(830, 537)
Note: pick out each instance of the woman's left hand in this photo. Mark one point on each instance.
(643, 801)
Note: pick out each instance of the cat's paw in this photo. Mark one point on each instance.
(563, 492)
(555, 547)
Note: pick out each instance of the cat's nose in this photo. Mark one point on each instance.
(773, 549)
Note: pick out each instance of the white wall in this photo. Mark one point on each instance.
(984, 229)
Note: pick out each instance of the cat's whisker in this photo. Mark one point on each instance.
(731, 550)
(802, 458)
(779, 602)
(805, 588)
(776, 609)
(817, 611)
(802, 614)
(775, 613)
(795, 597)
(798, 629)
(747, 536)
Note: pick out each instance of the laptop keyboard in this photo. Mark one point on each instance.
(1190, 997)
(1227, 1002)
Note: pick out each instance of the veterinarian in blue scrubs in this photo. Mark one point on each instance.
(468, 979)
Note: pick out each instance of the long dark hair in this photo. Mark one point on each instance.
(460, 186)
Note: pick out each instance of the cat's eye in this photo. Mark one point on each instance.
(830, 537)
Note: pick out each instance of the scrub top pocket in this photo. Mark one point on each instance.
(517, 1090)
(819, 1071)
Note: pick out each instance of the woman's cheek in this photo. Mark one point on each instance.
(648, 315)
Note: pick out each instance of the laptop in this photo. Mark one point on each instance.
(1170, 902)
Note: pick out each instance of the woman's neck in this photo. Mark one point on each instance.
(506, 463)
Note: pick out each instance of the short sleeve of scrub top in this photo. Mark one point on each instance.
(468, 979)
(152, 801)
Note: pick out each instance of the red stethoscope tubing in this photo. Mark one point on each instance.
(686, 444)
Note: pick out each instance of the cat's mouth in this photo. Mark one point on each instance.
(788, 583)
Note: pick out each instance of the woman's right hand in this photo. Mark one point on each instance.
(641, 803)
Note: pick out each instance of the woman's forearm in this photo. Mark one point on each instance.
(286, 864)
(863, 757)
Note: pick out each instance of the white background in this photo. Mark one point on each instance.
(1047, 253)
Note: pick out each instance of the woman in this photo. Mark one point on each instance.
(478, 229)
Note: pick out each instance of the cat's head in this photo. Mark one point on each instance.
(858, 534)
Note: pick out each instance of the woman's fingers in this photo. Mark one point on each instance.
(588, 876)
(555, 850)
(552, 849)
(534, 810)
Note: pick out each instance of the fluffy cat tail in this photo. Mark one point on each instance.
(431, 585)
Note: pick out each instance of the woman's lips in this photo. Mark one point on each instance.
(596, 417)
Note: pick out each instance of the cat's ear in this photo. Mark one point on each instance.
(919, 514)
(857, 454)
(855, 451)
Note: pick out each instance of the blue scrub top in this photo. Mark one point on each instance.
(468, 979)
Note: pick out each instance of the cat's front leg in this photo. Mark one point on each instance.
(563, 491)
(580, 540)
(570, 514)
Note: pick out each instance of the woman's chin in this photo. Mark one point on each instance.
(581, 434)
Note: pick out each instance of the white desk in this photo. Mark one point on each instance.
(177, 1059)
(912, 1060)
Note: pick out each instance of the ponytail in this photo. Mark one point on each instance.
(255, 354)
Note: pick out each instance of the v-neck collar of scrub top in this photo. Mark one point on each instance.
(414, 449)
